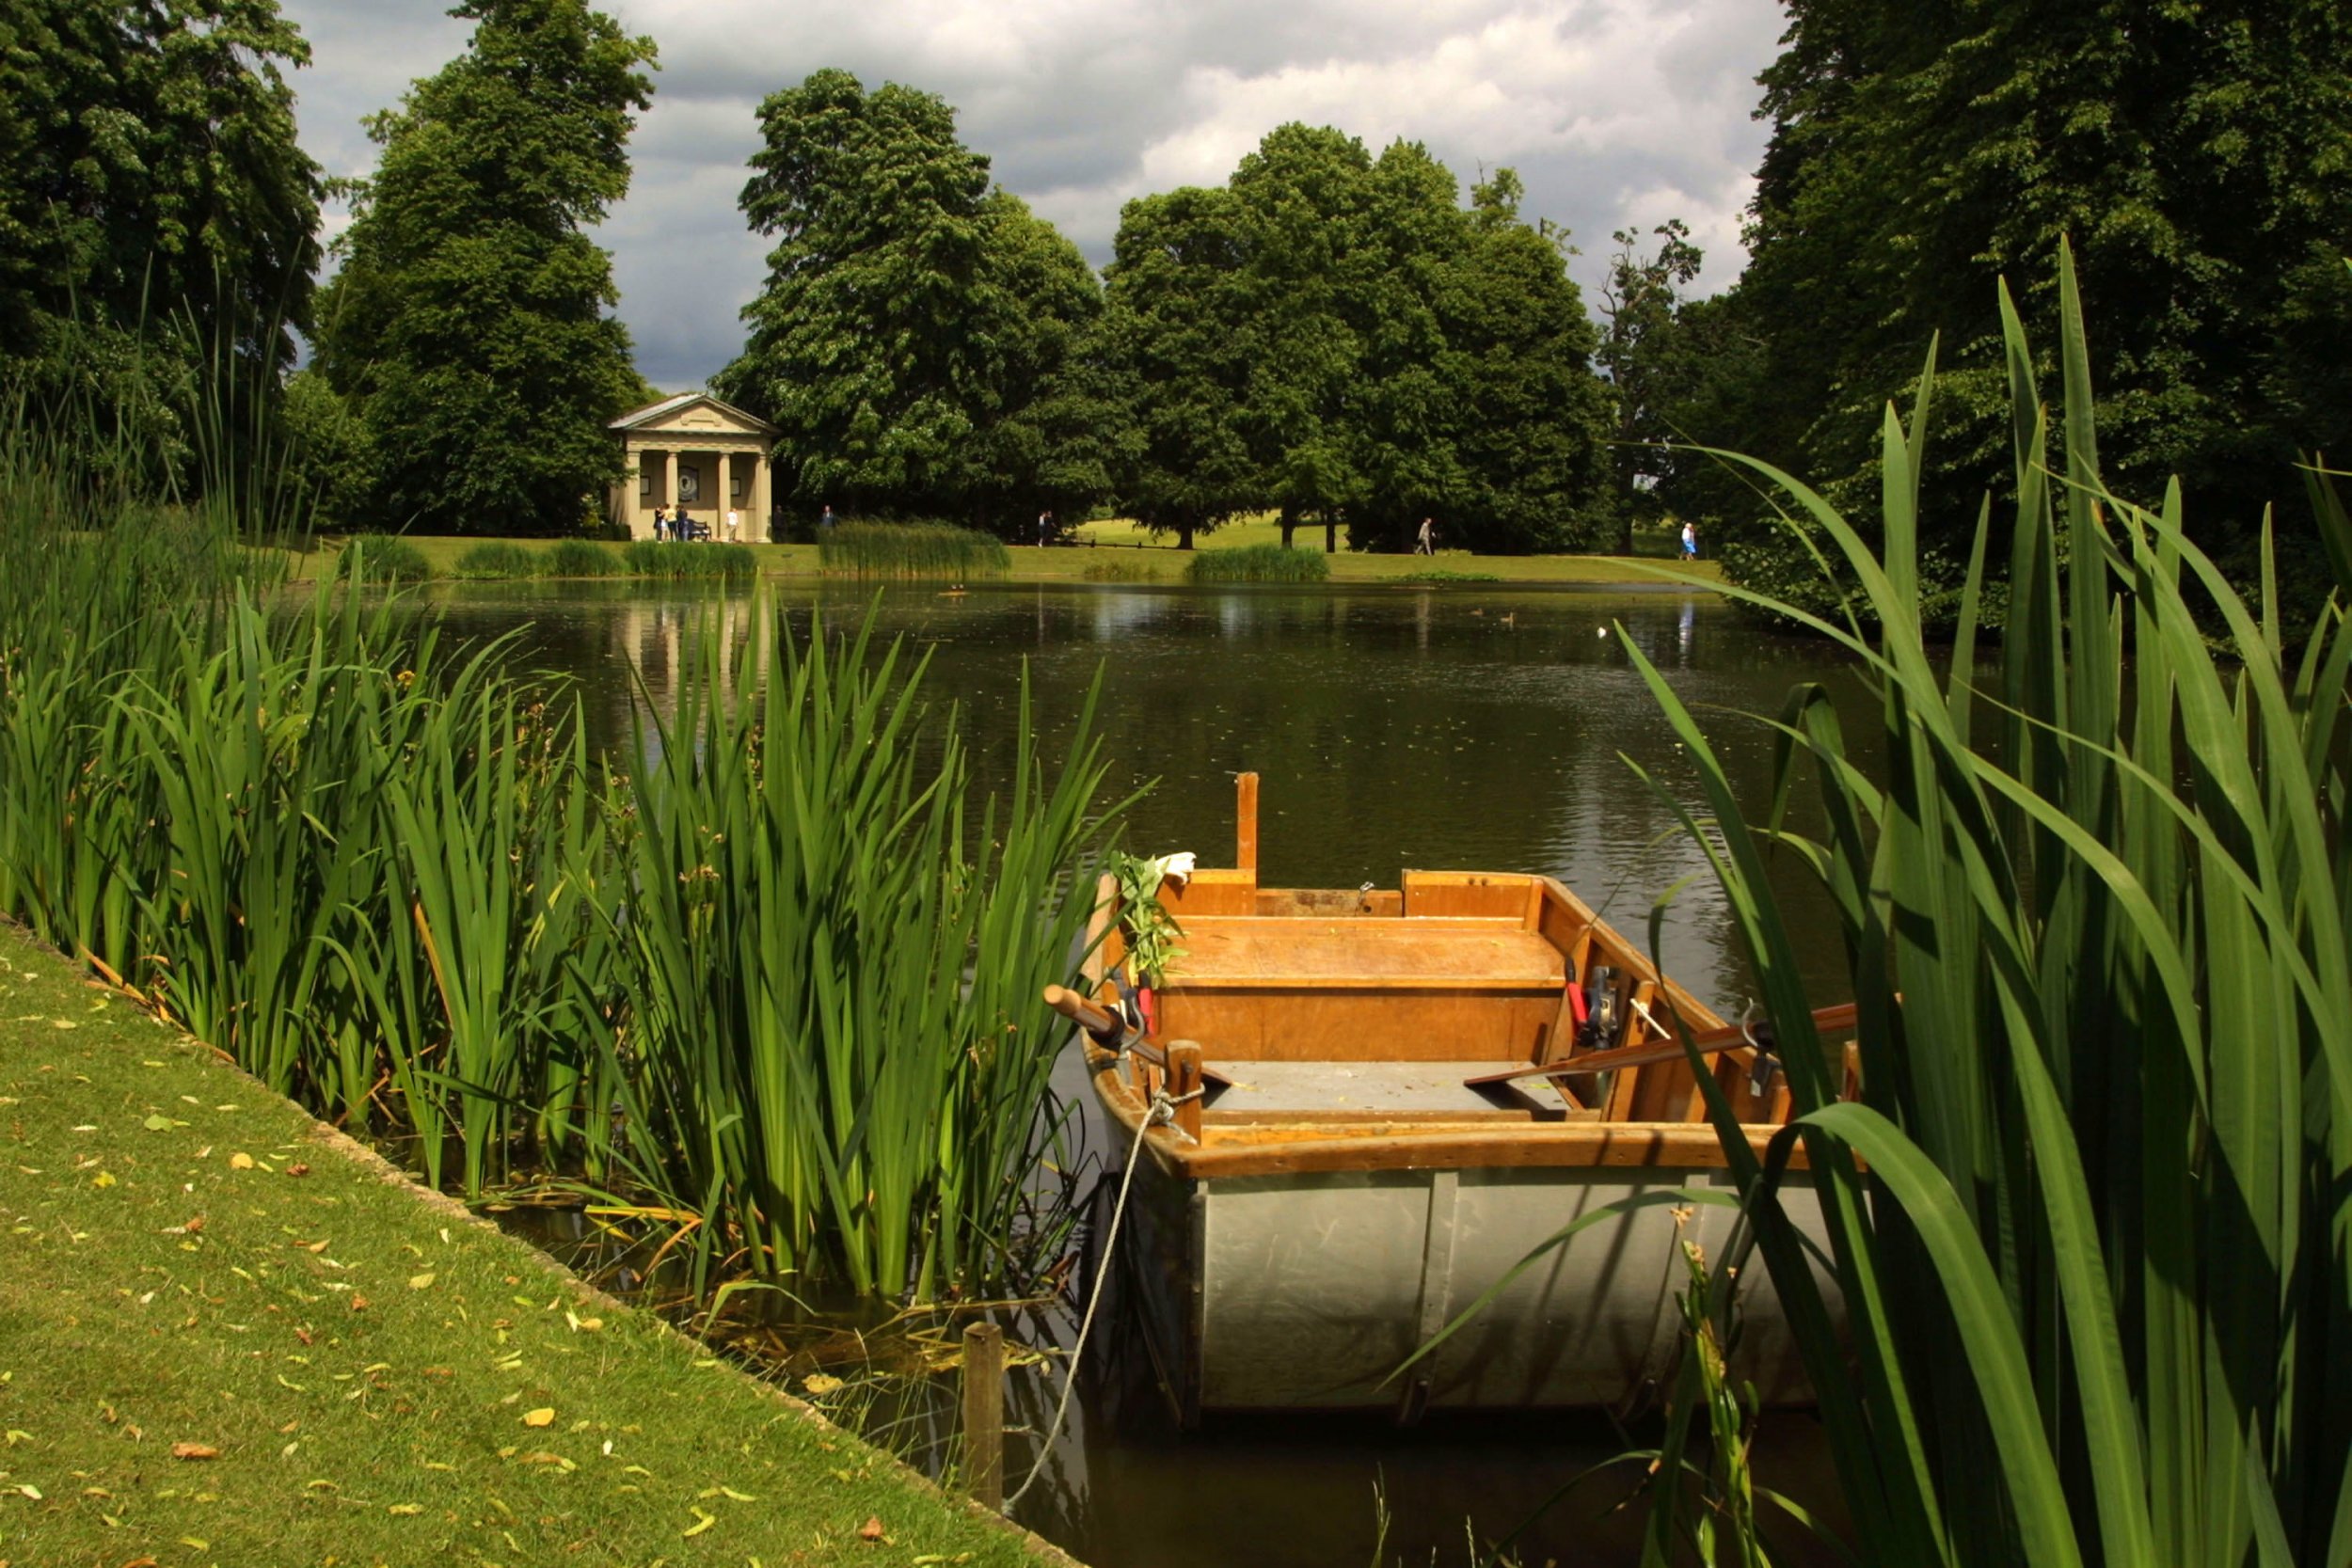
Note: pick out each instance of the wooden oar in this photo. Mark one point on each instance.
(1109, 1031)
(1729, 1037)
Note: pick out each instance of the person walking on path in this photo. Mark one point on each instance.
(1427, 542)
(1690, 542)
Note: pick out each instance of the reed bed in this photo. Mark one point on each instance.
(497, 559)
(912, 550)
(650, 558)
(382, 557)
(2090, 1216)
(837, 1056)
(1257, 563)
(774, 987)
(581, 558)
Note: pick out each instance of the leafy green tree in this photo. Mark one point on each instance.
(1334, 334)
(919, 340)
(2199, 156)
(158, 217)
(1180, 329)
(1639, 306)
(1304, 198)
(470, 328)
(1530, 418)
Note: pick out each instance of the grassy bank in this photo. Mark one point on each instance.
(226, 1336)
(1120, 552)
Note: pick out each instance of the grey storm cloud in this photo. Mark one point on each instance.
(1615, 113)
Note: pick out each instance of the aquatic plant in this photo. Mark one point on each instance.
(2088, 1215)
(836, 1058)
(382, 557)
(1257, 563)
(498, 559)
(649, 557)
(912, 550)
(581, 558)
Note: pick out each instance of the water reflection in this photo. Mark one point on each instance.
(1393, 727)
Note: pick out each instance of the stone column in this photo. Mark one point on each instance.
(726, 496)
(762, 508)
(669, 482)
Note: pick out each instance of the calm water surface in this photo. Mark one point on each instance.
(1494, 730)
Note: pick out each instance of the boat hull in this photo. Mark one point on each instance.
(1309, 1291)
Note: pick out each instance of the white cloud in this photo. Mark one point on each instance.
(1615, 113)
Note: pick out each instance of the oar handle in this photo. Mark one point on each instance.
(1085, 1014)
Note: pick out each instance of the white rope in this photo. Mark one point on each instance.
(1162, 1110)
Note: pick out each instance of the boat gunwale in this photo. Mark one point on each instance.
(1263, 1149)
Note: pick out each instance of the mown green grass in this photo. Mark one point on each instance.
(1133, 542)
(363, 1363)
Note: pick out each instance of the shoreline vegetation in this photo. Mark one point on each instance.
(1114, 551)
(388, 879)
(235, 1336)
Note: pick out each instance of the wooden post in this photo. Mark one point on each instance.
(984, 1414)
(1106, 910)
(1184, 1078)
(1245, 822)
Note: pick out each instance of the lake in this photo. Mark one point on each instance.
(1452, 729)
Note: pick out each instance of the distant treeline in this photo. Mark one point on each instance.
(1332, 335)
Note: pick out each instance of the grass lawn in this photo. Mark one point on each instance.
(226, 1337)
(1125, 552)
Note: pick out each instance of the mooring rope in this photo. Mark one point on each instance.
(1163, 1110)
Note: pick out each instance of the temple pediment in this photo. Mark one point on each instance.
(695, 414)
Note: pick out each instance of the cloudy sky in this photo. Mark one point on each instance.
(1614, 112)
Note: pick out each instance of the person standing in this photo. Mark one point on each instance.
(824, 524)
(1690, 542)
(1427, 542)
(1045, 526)
(735, 521)
(660, 523)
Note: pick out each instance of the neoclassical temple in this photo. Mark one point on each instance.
(694, 451)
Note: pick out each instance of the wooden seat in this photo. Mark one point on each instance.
(1246, 952)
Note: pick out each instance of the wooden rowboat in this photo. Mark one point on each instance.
(1381, 1101)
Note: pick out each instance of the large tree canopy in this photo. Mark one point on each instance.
(470, 328)
(2200, 158)
(155, 211)
(1334, 336)
(915, 341)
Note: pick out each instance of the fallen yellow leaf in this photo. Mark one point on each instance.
(540, 1418)
(405, 1508)
(241, 1161)
(419, 1281)
(702, 1522)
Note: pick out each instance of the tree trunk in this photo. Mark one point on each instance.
(1184, 534)
(1331, 537)
(1290, 524)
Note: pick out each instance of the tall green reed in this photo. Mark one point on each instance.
(2091, 1218)
(912, 550)
(1257, 563)
(835, 1057)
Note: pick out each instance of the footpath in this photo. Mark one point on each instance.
(230, 1334)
